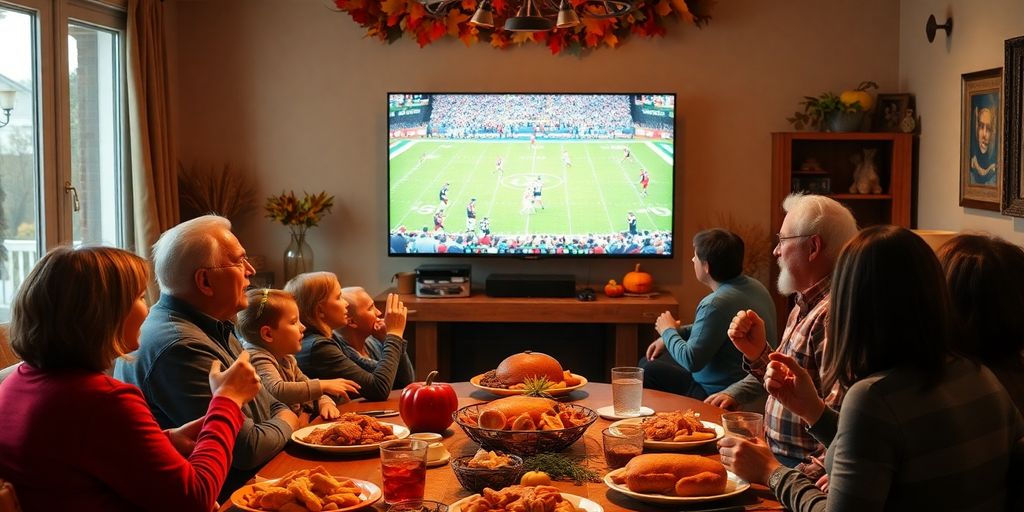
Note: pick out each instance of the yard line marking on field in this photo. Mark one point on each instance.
(600, 191)
(660, 151)
(432, 188)
(398, 149)
(566, 189)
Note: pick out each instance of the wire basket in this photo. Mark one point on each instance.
(476, 479)
(524, 442)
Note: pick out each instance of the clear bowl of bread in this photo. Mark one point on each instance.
(525, 425)
(487, 469)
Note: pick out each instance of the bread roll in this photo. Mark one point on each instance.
(515, 406)
(673, 474)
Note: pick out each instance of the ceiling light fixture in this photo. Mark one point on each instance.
(533, 15)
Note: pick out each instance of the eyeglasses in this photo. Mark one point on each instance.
(263, 303)
(241, 264)
(779, 238)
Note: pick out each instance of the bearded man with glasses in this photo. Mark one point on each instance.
(203, 272)
(813, 233)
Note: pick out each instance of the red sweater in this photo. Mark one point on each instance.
(78, 440)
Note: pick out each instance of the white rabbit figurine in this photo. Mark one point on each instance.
(865, 177)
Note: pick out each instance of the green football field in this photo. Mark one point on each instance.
(593, 195)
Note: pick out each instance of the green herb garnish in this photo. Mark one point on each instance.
(561, 467)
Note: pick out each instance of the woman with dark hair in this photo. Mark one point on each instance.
(921, 427)
(73, 438)
(986, 280)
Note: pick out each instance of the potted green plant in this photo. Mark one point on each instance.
(834, 113)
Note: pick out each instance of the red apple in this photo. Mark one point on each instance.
(428, 406)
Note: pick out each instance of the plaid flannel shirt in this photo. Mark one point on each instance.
(803, 340)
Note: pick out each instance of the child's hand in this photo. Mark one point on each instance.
(329, 412)
(664, 322)
(395, 315)
(339, 387)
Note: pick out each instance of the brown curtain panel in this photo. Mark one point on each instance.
(154, 177)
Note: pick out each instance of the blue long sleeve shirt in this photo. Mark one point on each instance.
(703, 348)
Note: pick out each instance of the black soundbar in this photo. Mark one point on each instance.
(531, 285)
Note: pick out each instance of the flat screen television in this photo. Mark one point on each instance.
(531, 175)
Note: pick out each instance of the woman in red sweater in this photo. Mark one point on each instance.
(72, 438)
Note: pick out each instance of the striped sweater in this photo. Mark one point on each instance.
(956, 446)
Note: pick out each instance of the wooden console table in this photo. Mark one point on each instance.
(626, 313)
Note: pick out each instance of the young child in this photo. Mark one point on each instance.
(272, 334)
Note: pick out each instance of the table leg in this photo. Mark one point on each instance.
(625, 345)
(426, 349)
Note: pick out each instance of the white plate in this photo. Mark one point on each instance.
(577, 501)
(608, 412)
(734, 486)
(672, 445)
(400, 432)
(440, 462)
(370, 493)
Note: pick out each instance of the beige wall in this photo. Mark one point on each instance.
(932, 73)
(293, 93)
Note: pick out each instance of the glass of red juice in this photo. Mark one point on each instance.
(621, 444)
(403, 467)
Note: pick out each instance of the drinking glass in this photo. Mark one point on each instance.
(403, 466)
(627, 390)
(748, 425)
(621, 444)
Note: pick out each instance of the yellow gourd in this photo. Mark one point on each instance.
(535, 478)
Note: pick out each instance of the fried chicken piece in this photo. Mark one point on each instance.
(275, 498)
(300, 489)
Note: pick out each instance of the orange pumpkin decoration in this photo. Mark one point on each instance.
(613, 289)
(637, 281)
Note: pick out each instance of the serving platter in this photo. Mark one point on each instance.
(475, 381)
(674, 445)
(734, 486)
(577, 501)
(370, 494)
(400, 432)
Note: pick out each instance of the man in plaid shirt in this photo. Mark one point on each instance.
(812, 234)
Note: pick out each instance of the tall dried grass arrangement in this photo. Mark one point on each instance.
(757, 243)
(228, 192)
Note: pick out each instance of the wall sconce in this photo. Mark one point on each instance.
(6, 105)
(934, 26)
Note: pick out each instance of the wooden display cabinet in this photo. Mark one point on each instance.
(834, 153)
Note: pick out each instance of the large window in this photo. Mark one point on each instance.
(62, 151)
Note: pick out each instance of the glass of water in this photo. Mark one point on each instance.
(748, 425)
(627, 390)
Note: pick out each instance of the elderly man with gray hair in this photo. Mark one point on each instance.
(203, 271)
(813, 232)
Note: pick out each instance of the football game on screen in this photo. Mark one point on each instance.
(534, 174)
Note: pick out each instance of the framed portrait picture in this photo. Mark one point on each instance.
(981, 155)
(890, 110)
(1013, 194)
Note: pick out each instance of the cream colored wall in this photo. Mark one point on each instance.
(932, 73)
(293, 93)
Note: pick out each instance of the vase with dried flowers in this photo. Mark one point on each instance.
(298, 215)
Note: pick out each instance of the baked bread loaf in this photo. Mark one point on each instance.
(524, 408)
(674, 474)
(518, 367)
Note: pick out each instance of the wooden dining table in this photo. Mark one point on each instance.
(442, 485)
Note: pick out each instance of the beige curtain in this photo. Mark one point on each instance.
(154, 177)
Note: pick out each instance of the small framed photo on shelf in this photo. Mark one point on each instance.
(890, 110)
(981, 156)
(815, 184)
(1012, 166)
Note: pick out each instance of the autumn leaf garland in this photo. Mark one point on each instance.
(390, 20)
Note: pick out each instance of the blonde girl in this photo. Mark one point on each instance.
(272, 334)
